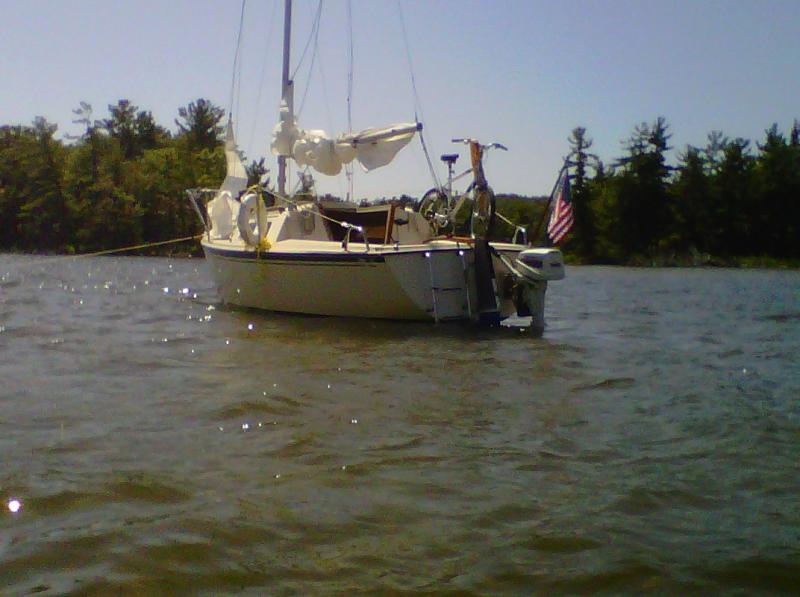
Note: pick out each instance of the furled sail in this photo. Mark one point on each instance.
(222, 208)
(373, 148)
(236, 176)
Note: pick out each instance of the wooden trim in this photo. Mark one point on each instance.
(389, 225)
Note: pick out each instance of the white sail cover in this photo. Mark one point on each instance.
(373, 148)
(222, 208)
(236, 176)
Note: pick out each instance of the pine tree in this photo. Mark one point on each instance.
(583, 238)
(778, 195)
(199, 123)
(643, 199)
(735, 213)
(690, 202)
(135, 129)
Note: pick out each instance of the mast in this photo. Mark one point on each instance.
(287, 91)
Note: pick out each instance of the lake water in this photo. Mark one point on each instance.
(160, 444)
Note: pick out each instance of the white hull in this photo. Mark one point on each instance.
(424, 282)
(304, 255)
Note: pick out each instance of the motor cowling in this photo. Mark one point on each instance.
(541, 264)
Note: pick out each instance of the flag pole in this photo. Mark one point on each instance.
(550, 200)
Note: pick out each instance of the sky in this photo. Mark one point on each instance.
(520, 72)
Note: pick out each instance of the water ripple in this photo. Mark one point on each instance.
(162, 443)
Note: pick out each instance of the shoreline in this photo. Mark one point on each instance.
(693, 259)
(690, 261)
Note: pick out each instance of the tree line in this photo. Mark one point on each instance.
(725, 202)
(122, 182)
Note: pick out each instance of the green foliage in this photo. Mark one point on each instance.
(690, 196)
(45, 207)
(256, 171)
(135, 129)
(199, 123)
(733, 201)
(122, 182)
(584, 239)
(777, 174)
(721, 200)
(32, 202)
(642, 195)
(605, 192)
(523, 211)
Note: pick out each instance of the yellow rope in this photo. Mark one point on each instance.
(142, 246)
(111, 251)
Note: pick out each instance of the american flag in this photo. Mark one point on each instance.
(561, 218)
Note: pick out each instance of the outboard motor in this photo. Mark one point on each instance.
(541, 264)
(534, 269)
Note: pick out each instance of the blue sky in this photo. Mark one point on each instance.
(523, 73)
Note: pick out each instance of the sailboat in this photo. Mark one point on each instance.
(433, 261)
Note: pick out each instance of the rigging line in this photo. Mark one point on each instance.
(325, 96)
(348, 168)
(312, 35)
(417, 102)
(430, 162)
(257, 110)
(505, 219)
(326, 100)
(288, 201)
(60, 258)
(238, 98)
(236, 57)
(350, 68)
(314, 54)
(417, 105)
